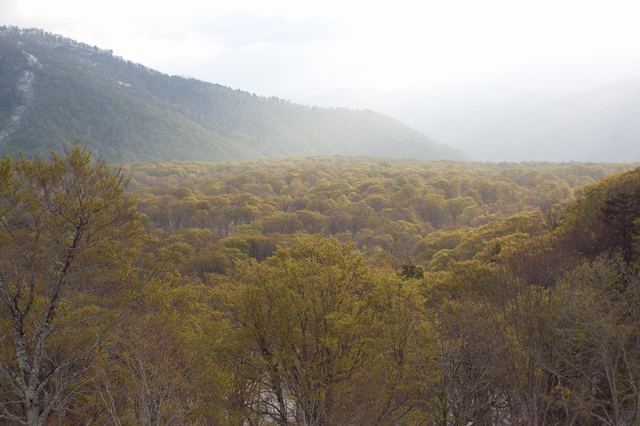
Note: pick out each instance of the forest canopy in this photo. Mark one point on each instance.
(340, 291)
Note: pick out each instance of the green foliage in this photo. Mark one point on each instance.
(411, 272)
(303, 316)
(605, 219)
(68, 239)
(356, 199)
(326, 291)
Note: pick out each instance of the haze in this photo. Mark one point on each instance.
(429, 64)
(299, 49)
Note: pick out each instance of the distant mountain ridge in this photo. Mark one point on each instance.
(54, 89)
(599, 125)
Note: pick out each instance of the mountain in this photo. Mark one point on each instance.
(54, 90)
(422, 108)
(598, 125)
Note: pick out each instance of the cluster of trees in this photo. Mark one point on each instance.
(397, 212)
(110, 315)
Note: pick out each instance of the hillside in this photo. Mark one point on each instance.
(54, 90)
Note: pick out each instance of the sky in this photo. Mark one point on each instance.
(295, 49)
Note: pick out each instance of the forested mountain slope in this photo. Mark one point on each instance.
(54, 89)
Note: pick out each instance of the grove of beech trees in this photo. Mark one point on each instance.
(322, 291)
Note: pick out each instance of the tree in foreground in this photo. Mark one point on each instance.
(67, 236)
(307, 330)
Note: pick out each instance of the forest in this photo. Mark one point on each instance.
(318, 291)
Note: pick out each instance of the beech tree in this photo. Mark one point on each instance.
(469, 342)
(67, 236)
(307, 326)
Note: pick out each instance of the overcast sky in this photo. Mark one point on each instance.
(294, 49)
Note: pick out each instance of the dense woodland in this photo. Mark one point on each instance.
(54, 89)
(318, 291)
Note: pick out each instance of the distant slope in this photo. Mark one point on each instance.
(53, 89)
(602, 124)
(422, 108)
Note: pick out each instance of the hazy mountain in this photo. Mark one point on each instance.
(421, 108)
(459, 127)
(597, 125)
(348, 98)
(53, 89)
(601, 124)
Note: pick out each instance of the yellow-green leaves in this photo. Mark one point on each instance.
(305, 318)
(68, 238)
